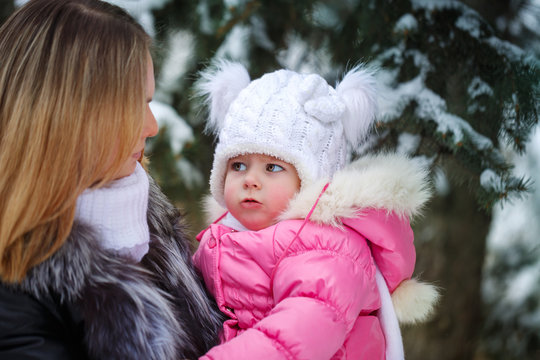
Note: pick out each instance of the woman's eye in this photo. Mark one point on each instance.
(238, 166)
(273, 168)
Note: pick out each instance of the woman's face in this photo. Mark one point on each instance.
(149, 129)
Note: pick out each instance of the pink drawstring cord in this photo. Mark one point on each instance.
(295, 237)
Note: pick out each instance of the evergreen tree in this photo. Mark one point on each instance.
(452, 92)
(449, 79)
(511, 286)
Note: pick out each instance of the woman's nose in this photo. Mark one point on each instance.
(150, 126)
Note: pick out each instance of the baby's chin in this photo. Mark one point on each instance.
(256, 225)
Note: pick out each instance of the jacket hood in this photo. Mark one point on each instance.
(390, 182)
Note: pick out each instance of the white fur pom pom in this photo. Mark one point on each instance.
(219, 85)
(414, 301)
(358, 91)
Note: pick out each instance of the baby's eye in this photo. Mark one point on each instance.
(238, 166)
(273, 168)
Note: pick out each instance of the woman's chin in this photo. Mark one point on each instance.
(126, 170)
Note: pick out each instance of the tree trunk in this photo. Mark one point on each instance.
(450, 242)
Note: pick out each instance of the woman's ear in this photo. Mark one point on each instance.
(219, 85)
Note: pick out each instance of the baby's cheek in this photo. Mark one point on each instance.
(281, 201)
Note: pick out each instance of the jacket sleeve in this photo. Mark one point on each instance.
(319, 294)
(35, 329)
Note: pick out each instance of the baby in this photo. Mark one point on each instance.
(308, 248)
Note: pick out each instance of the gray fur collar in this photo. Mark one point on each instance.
(157, 309)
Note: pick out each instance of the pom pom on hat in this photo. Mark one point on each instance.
(219, 85)
(358, 91)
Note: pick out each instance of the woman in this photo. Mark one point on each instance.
(93, 262)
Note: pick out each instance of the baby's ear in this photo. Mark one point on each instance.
(219, 85)
(358, 92)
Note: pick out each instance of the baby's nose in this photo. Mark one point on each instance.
(251, 181)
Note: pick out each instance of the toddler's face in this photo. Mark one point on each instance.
(258, 188)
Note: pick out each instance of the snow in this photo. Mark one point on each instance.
(478, 87)
(205, 23)
(141, 11)
(406, 22)
(259, 33)
(430, 6)
(510, 221)
(469, 22)
(233, 3)
(523, 284)
(300, 57)
(180, 134)
(191, 176)
(441, 183)
(489, 180)
(174, 66)
(504, 48)
(430, 107)
(514, 235)
(326, 16)
(179, 131)
(528, 17)
(236, 45)
(408, 143)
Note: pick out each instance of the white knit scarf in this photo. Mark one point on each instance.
(118, 213)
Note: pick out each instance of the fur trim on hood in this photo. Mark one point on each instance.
(392, 182)
(387, 181)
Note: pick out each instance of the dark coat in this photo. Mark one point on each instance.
(86, 302)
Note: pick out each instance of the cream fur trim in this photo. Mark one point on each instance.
(392, 182)
(414, 301)
(212, 209)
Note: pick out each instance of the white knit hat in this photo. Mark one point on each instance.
(297, 118)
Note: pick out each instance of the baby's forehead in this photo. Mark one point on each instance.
(257, 157)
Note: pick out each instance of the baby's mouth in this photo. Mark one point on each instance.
(250, 201)
(250, 204)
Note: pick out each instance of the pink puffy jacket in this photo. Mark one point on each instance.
(314, 296)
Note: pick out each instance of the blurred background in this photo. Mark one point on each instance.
(459, 85)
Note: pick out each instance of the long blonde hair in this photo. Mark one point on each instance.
(72, 83)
